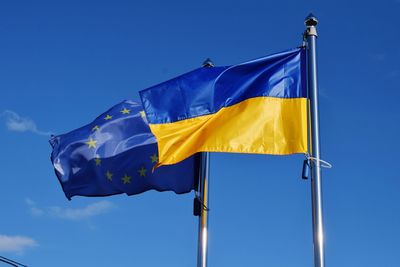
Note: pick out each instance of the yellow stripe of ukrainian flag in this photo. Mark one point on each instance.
(261, 125)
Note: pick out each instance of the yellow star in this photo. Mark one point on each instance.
(108, 117)
(142, 114)
(98, 161)
(154, 158)
(126, 179)
(125, 111)
(91, 143)
(95, 128)
(109, 175)
(142, 172)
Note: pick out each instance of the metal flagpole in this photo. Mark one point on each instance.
(316, 190)
(203, 218)
(203, 189)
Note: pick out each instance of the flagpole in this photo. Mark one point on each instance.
(203, 218)
(202, 246)
(316, 187)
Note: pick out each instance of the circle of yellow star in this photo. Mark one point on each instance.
(154, 158)
(126, 179)
(109, 175)
(91, 143)
(108, 117)
(142, 172)
(125, 111)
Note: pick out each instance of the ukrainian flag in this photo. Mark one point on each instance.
(258, 107)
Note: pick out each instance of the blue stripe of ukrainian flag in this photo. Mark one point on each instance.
(256, 107)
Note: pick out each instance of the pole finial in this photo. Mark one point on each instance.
(311, 20)
(311, 23)
(208, 63)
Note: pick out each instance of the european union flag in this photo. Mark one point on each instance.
(115, 154)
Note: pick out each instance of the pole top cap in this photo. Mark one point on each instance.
(311, 20)
(208, 63)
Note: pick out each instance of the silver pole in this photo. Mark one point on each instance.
(203, 189)
(316, 190)
(203, 218)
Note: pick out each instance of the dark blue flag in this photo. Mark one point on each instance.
(115, 154)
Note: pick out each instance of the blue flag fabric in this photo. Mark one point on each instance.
(115, 154)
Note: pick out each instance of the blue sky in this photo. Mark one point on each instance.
(62, 63)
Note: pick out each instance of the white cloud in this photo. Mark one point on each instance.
(73, 214)
(34, 210)
(81, 213)
(15, 122)
(16, 243)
